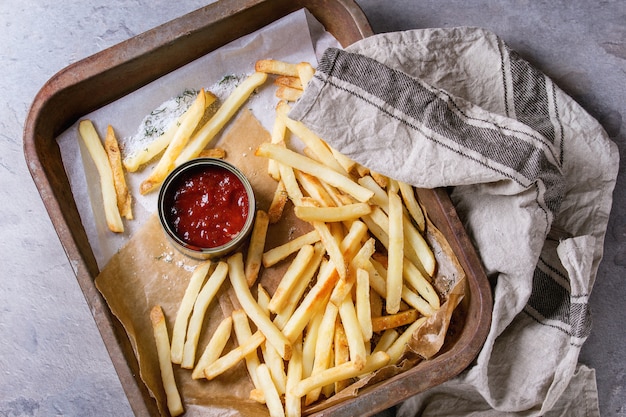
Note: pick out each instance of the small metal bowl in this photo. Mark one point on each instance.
(169, 208)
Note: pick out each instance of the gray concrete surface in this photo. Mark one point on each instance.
(52, 360)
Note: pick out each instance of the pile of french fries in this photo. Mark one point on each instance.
(356, 288)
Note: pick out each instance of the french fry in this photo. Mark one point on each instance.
(397, 348)
(184, 310)
(340, 372)
(314, 188)
(341, 352)
(256, 247)
(279, 132)
(291, 278)
(270, 355)
(277, 254)
(287, 93)
(392, 321)
(135, 160)
(124, 200)
(214, 125)
(301, 162)
(252, 309)
(288, 177)
(243, 333)
(332, 248)
(348, 164)
(353, 332)
(206, 295)
(298, 290)
(174, 148)
(98, 155)
(161, 338)
(344, 286)
(272, 399)
(309, 344)
(363, 311)
(214, 348)
(395, 253)
(273, 66)
(332, 214)
(314, 301)
(305, 72)
(323, 347)
(277, 206)
(233, 357)
(292, 82)
(414, 277)
(408, 196)
(293, 405)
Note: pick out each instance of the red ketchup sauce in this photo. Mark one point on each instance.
(207, 206)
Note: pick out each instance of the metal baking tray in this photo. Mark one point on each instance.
(112, 73)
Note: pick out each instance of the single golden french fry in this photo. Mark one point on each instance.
(277, 206)
(323, 348)
(288, 177)
(257, 395)
(206, 295)
(391, 321)
(309, 344)
(395, 253)
(332, 247)
(348, 164)
(340, 372)
(233, 357)
(124, 200)
(270, 355)
(161, 338)
(273, 66)
(342, 352)
(310, 139)
(424, 255)
(397, 348)
(277, 254)
(217, 153)
(293, 405)
(386, 340)
(98, 155)
(291, 278)
(287, 81)
(272, 399)
(363, 310)
(298, 290)
(413, 276)
(314, 301)
(214, 348)
(252, 309)
(256, 247)
(286, 93)
(305, 72)
(243, 333)
(175, 147)
(353, 332)
(279, 132)
(301, 162)
(211, 128)
(184, 310)
(332, 214)
(410, 201)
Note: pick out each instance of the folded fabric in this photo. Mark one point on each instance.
(531, 175)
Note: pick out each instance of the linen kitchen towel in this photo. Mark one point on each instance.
(531, 175)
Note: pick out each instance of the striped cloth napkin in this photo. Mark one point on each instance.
(531, 175)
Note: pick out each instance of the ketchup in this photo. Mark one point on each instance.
(207, 206)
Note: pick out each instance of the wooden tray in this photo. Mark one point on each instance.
(106, 76)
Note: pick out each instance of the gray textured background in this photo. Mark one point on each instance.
(52, 360)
